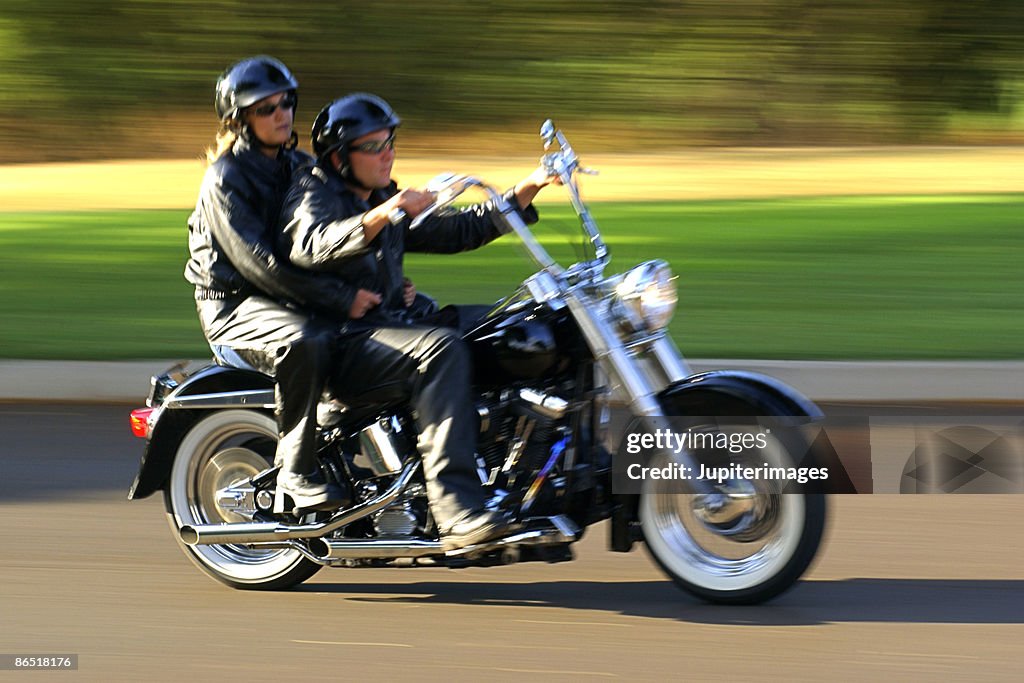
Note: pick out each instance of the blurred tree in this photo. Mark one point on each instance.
(135, 77)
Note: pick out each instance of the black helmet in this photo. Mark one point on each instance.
(248, 82)
(348, 118)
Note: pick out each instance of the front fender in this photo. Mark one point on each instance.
(172, 423)
(734, 392)
(722, 393)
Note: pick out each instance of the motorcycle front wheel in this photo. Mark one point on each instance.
(744, 545)
(223, 450)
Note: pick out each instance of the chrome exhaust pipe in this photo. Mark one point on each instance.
(274, 532)
(549, 530)
(332, 549)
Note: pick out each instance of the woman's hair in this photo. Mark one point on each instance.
(226, 137)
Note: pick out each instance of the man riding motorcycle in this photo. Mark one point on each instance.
(346, 216)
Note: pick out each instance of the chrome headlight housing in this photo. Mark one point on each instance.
(648, 293)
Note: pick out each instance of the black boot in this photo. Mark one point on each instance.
(475, 528)
(309, 492)
(300, 367)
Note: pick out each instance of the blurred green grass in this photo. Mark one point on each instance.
(849, 278)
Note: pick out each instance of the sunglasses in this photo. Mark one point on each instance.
(375, 146)
(286, 102)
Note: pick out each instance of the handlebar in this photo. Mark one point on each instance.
(449, 186)
(566, 164)
(563, 163)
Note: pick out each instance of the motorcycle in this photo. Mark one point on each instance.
(547, 361)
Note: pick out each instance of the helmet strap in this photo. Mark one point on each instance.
(246, 134)
(344, 169)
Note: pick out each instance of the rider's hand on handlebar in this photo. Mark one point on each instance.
(543, 177)
(413, 202)
(407, 203)
(527, 188)
(362, 303)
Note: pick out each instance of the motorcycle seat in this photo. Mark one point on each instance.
(227, 357)
(331, 410)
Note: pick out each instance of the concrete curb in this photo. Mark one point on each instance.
(128, 381)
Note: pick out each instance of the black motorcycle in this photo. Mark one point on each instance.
(548, 360)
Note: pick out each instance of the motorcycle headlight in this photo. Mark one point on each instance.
(649, 293)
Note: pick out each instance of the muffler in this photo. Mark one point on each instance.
(275, 532)
(331, 549)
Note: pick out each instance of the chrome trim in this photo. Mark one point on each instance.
(544, 289)
(269, 532)
(624, 370)
(261, 398)
(642, 343)
(378, 447)
(611, 354)
(631, 289)
(557, 451)
(484, 413)
(333, 549)
(560, 530)
(549, 406)
(449, 186)
(288, 545)
(515, 223)
(670, 359)
(565, 163)
(239, 499)
(565, 525)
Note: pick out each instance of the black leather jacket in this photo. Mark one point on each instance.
(231, 240)
(322, 230)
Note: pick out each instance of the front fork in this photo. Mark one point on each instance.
(639, 377)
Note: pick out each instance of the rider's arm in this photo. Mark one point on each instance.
(527, 188)
(240, 231)
(465, 229)
(480, 224)
(318, 229)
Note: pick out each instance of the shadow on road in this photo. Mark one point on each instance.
(912, 601)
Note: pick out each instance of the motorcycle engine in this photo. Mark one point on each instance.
(517, 429)
(402, 519)
(397, 521)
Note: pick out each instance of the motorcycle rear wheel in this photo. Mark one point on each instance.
(223, 449)
(735, 568)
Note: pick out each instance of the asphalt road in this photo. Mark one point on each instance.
(906, 587)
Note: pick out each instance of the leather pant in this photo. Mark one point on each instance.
(288, 345)
(432, 366)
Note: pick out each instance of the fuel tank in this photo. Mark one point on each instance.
(521, 344)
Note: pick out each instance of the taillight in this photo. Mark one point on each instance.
(139, 420)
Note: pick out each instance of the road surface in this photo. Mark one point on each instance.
(906, 586)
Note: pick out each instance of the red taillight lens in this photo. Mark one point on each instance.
(139, 420)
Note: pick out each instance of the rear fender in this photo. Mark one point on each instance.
(210, 388)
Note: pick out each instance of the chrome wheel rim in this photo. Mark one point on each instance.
(738, 545)
(218, 453)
